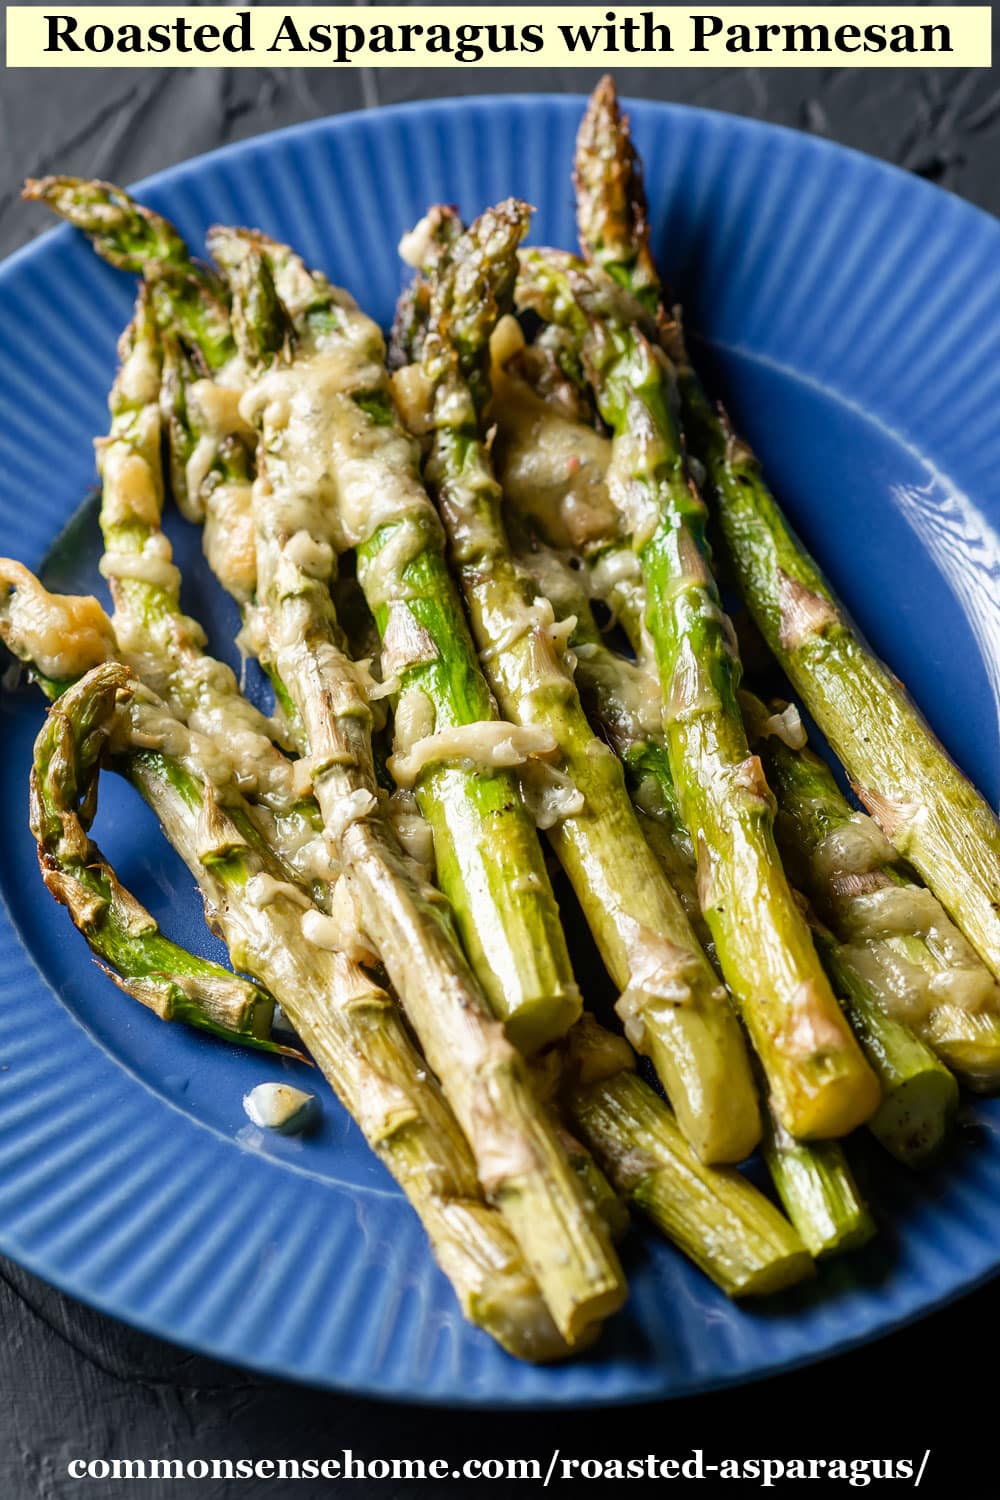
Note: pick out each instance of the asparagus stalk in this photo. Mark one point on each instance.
(919, 1094)
(715, 1217)
(623, 698)
(157, 637)
(916, 794)
(672, 1003)
(611, 208)
(921, 801)
(352, 1027)
(450, 745)
(133, 238)
(483, 1076)
(713, 1214)
(814, 1180)
(190, 436)
(817, 1075)
(892, 932)
(122, 934)
(818, 1190)
(115, 925)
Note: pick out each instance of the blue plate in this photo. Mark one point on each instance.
(852, 317)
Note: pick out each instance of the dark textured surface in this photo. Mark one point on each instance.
(75, 1384)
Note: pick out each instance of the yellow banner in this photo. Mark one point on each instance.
(444, 36)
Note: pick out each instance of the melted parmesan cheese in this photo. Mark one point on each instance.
(138, 379)
(340, 931)
(490, 742)
(412, 830)
(152, 565)
(63, 635)
(131, 487)
(551, 797)
(551, 467)
(343, 475)
(214, 413)
(263, 889)
(228, 539)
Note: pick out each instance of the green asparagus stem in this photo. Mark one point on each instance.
(351, 1027)
(892, 932)
(652, 1095)
(623, 698)
(612, 216)
(483, 1076)
(450, 745)
(123, 232)
(191, 447)
(125, 938)
(818, 1190)
(921, 801)
(713, 1214)
(814, 1181)
(210, 426)
(818, 1077)
(413, 937)
(672, 1003)
(919, 1094)
(469, 1049)
(134, 238)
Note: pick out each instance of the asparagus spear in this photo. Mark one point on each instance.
(818, 1077)
(138, 593)
(125, 938)
(713, 1214)
(133, 238)
(814, 1181)
(920, 799)
(672, 1003)
(821, 1198)
(612, 217)
(164, 643)
(450, 745)
(708, 1232)
(623, 698)
(482, 1074)
(919, 1094)
(893, 933)
(350, 1025)
(717, 1218)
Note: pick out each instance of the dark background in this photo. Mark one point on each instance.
(75, 1384)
